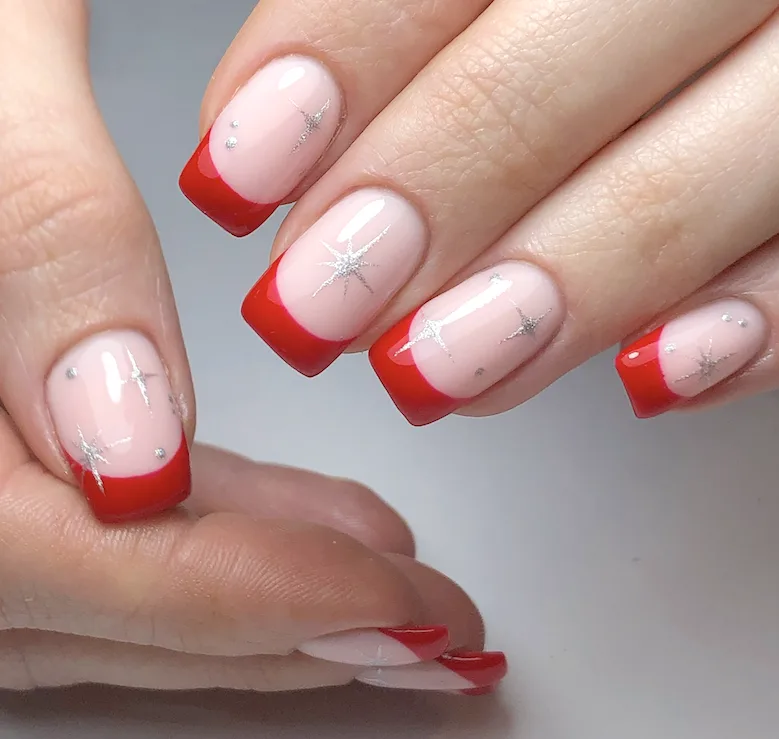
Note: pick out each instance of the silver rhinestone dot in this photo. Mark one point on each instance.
(670, 348)
(479, 372)
(160, 453)
(743, 323)
(234, 124)
(71, 372)
(231, 143)
(727, 318)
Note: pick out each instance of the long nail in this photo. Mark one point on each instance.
(464, 341)
(327, 287)
(380, 647)
(263, 143)
(463, 671)
(119, 427)
(690, 354)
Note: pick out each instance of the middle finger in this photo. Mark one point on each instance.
(528, 92)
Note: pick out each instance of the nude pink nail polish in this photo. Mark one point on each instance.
(118, 425)
(263, 143)
(690, 354)
(465, 340)
(380, 647)
(325, 290)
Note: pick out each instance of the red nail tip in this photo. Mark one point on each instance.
(480, 668)
(128, 498)
(265, 312)
(413, 395)
(639, 369)
(427, 642)
(201, 183)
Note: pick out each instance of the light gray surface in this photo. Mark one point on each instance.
(628, 569)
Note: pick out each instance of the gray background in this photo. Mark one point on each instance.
(630, 570)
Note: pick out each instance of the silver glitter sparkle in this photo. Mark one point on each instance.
(231, 142)
(312, 123)
(431, 329)
(140, 378)
(707, 365)
(743, 323)
(527, 325)
(160, 453)
(92, 452)
(71, 373)
(479, 372)
(727, 318)
(234, 124)
(670, 348)
(349, 264)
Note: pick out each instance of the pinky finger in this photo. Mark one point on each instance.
(718, 345)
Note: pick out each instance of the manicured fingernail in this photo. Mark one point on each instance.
(464, 341)
(263, 143)
(464, 671)
(690, 354)
(119, 427)
(327, 287)
(380, 647)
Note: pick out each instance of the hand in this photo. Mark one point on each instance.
(245, 590)
(271, 579)
(489, 155)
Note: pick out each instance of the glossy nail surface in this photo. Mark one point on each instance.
(465, 671)
(690, 354)
(380, 647)
(329, 285)
(263, 143)
(465, 340)
(118, 426)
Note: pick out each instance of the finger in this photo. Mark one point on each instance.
(652, 218)
(222, 584)
(718, 345)
(91, 349)
(37, 659)
(225, 482)
(295, 114)
(497, 120)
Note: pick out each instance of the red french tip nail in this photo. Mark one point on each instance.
(124, 499)
(202, 184)
(427, 642)
(264, 310)
(639, 369)
(413, 395)
(482, 669)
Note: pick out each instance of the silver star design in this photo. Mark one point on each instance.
(313, 122)
(430, 330)
(707, 365)
(92, 452)
(140, 378)
(349, 264)
(527, 325)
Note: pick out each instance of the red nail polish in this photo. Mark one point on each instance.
(426, 642)
(481, 669)
(202, 184)
(639, 369)
(123, 499)
(413, 395)
(264, 310)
